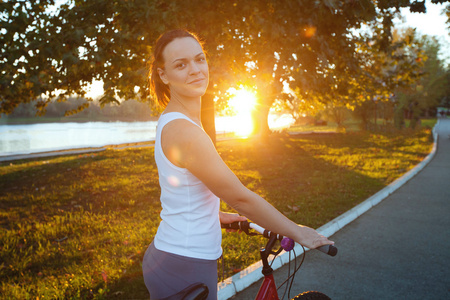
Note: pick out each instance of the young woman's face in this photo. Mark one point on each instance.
(185, 68)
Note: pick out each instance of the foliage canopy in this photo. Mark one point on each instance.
(53, 50)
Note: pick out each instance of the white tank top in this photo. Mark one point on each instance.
(190, 223)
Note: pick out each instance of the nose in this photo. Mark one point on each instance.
(194, 69)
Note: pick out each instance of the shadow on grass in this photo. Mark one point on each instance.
(30, 185)
(64, 217)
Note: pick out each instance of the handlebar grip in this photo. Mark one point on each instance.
(328, 249)
(242, 225)
(245, 226)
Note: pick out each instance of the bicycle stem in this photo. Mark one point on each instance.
(265, 252)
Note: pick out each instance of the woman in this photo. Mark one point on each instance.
(193, 178)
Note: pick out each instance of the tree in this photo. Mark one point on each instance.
(432, 86)
(286, 41)
(429, 90)
(58, 53)
(50, 51)
(388, 65)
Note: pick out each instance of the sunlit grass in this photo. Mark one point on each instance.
(350, 126)
(78, 226)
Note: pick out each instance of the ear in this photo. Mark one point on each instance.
(163, 76)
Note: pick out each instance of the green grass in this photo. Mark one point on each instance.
(351, 125)
(77, 226)
(330, 127)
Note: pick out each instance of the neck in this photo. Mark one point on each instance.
(189, 107)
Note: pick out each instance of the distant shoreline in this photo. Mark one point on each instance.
(43, 120)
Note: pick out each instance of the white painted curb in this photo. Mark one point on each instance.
(242, 280)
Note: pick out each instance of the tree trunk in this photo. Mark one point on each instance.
(264, 121)
(260, 118)
(208, 116)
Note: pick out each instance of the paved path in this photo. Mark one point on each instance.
(399, 249)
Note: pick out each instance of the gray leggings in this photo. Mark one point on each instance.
(166, 274)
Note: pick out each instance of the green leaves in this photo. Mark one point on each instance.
(45, 48)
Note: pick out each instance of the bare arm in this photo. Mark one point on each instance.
(198, 155)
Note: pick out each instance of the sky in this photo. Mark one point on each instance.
(431, 23)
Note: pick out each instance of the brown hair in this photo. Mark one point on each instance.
(159, 90)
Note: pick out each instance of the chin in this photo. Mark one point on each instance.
(198, 92)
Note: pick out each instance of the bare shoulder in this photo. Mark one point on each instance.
(181, 139)
(183, 132)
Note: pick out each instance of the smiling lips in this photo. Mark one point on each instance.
(197, 81)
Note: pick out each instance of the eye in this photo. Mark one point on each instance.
(201, 59)
(180, 65)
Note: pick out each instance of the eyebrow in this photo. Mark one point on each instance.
(184, 59)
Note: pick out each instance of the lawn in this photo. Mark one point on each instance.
(77, 226)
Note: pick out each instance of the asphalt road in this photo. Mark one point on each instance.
(400, 249)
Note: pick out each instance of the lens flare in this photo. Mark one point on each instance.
(173, 181)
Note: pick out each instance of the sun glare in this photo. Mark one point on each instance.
(95, 90)
(242, 103)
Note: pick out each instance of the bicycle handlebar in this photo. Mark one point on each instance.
(245, 226)
(331, 250)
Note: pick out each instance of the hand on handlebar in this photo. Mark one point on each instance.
(228, 218)
(312, 239)
(308, 237)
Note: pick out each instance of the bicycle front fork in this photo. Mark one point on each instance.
(268, 289)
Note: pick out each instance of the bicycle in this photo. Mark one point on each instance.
(268, 289)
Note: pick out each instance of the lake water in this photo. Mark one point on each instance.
(35, 138)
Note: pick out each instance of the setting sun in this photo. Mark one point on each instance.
(242, 103)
